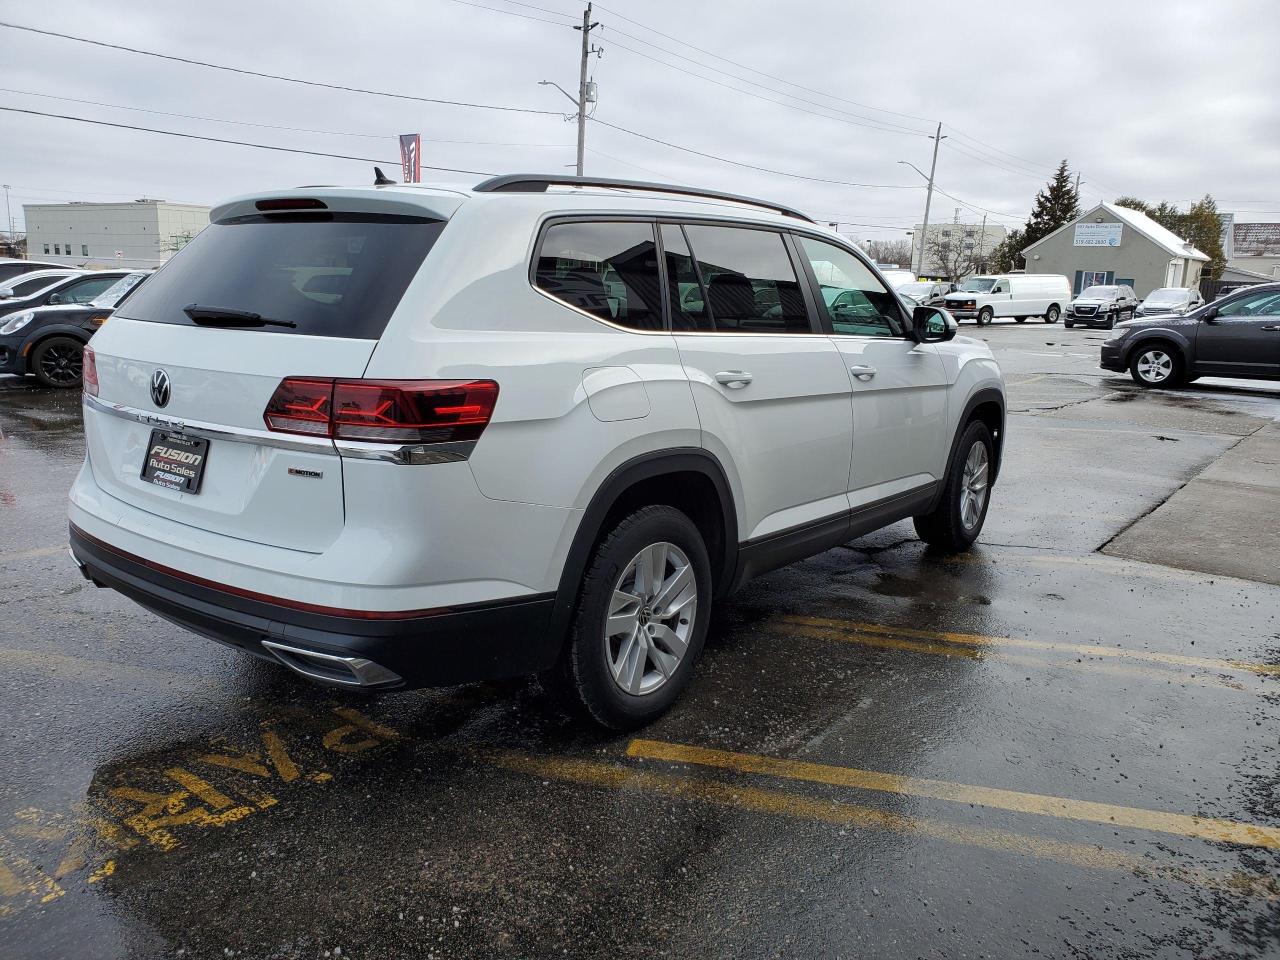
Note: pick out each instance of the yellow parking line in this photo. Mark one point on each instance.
(1042, 663)
(778, 803)
(1206, 828)
(1082, 649)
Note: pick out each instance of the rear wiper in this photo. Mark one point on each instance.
(226, 317)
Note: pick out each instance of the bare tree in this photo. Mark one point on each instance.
(891, 251)
(949, 252)
(13, 245)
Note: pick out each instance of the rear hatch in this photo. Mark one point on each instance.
(187, 365)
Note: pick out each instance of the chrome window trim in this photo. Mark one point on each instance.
(406, 454)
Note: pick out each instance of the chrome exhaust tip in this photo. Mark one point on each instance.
(332, 669)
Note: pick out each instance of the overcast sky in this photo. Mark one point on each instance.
(1164, 100)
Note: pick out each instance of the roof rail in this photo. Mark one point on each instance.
(538, 183)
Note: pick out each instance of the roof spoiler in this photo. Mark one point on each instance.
(539, 182)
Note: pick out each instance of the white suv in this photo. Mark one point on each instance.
(406, 436)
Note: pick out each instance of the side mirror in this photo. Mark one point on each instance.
(55, 298)
(932, 325)
(1210, 315)
(6, 293)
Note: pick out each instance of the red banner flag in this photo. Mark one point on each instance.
(411, 157)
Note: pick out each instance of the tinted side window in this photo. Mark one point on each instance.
(684, 292)
(610, 270)
(86, 290)
(1257, 305)
(750, 283)
(856, 302)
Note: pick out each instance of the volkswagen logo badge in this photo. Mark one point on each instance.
(160, 388)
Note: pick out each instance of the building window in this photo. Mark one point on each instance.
(84, 249)
(46, 249)
(57, 249)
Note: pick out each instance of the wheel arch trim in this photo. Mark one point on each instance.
(636, 470)
(981, 396)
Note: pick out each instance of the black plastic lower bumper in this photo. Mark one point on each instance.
(11, 358)
(1112, 359)
(428, 648)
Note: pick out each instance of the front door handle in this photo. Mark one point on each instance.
(1271, 329)
(733, 379)
(863, 371)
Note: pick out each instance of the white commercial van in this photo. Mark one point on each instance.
(1017, 295)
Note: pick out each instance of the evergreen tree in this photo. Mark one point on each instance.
(1133, 203)
(1202, 228)
(1057, 204)
(1007, 254)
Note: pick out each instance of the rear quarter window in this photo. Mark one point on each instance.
(333, 275)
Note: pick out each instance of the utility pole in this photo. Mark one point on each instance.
(582, 84)
(928, 199)
(8, 213)
(982, 245)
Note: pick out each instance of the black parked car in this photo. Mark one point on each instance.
(10, 268)
(1237, 336)
(49, 341)
(1102, 306)
(80, 287)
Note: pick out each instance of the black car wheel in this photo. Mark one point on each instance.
(985, 316)
(1052, 315)
(1110, 323)
(58, 362)
(1019, 319)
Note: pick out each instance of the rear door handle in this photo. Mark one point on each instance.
(1271, 329)
(733, 379)
(863, 371)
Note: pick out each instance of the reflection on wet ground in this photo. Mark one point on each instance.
(1035, 748)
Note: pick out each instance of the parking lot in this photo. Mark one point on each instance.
(1063, 742)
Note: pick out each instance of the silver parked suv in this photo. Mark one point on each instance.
(407, 435)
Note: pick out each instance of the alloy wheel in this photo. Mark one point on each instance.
(62, 364)
(974, 485)
(1155, 366)
(651, 618)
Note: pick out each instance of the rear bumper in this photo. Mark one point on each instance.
(418, 648)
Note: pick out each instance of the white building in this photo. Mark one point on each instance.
(962, 241)
(143, 233)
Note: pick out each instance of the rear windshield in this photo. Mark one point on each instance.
(333, 275)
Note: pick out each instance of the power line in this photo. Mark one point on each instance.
(237, 143)
(854, 118)
(743, 66)
(512, 13)
(752, 166)
(849, 118)
(273, 76)
(268, 126)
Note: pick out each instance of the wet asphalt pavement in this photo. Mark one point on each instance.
(1037, 748)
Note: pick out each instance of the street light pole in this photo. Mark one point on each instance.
(928, 197)
(8, 213)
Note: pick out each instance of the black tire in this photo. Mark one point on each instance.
(985, 316)
(1110, 323)
(1068, 324)
(1053, 313)
(1145, 362)
(58, 362)
(1019, 319)
(582, 680)
(944, 528)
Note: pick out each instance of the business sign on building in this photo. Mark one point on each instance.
(1098, 234)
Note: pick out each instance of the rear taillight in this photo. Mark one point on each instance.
(382, 411)
(90, 372)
